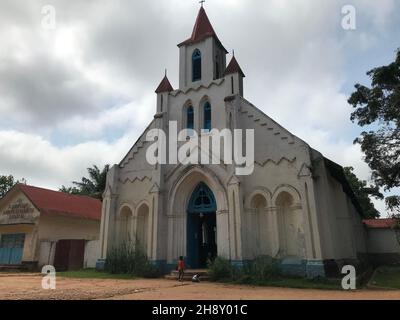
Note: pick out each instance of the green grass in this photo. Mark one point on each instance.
(93, 274)
(387, 277)
(297, 283)
(264, 271)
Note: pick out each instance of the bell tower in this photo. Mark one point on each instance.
(202, 57)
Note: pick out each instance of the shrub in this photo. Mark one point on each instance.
(126, 259)
(259, 270)
(220, 269)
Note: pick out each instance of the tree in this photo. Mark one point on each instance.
(378, 107)
(93, 186)
(70, 190)
(363, 192)
(6, 183)
(393, 205)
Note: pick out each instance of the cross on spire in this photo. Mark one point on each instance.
(202, 2)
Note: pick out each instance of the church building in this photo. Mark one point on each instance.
(296, 206)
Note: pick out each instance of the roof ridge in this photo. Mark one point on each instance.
(59, 192)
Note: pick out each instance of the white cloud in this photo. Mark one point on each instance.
(94, 76)
(134, 115)
(46, 165)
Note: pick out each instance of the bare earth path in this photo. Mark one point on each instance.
(29, 287)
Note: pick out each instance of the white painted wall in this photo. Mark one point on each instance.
(92, 253)
(47, 250)
(54, 228)
(382, 241)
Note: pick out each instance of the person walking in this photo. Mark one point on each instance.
(181, 269)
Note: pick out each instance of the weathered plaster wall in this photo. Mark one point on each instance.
(26, 223)
(54, 228)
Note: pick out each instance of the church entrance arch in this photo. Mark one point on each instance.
(201, 227)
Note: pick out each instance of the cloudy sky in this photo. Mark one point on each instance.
(81, 93)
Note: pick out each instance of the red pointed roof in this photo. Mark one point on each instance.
(51, 202)
(165, 86)
(233, 67)
(202, 30)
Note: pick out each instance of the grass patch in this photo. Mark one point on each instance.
(387, 277)
(93, 274)
(264, 271)
(130, 259)
(298, 283)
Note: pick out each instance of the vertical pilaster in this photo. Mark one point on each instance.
(235, 210)
(107, 225)
(275, 231)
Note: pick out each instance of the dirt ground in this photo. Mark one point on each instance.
(16, 287)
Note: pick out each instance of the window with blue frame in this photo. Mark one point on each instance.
(196, 65)
(190, 118)
(202, 200)
(207, 116)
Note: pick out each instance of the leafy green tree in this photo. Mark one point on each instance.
(6, 183)
(93, 186)
(378, 108)
(363, 192)
(70, 190)
(393, 205)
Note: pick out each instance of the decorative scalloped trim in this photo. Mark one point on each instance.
(135, 179)
(275, 162)
(135, 150)
(202, 86)
(267, 122)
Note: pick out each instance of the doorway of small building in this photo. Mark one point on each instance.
(11, 249)
(70, 255)
(201, 228)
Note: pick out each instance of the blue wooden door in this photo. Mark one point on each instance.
(11, 248)
(201, 227)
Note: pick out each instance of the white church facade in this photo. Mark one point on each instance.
(296, 206)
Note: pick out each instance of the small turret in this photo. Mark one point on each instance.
(234, 78)
(162, 91)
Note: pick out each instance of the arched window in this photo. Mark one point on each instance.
(207, 116)
(190, 118)
(287, 225)
(126, 235)
(202, 200)
(258, 202)
(196, 65)
(142, 228)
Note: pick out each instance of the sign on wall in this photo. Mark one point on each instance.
(18, 212)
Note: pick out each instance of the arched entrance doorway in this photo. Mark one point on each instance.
(201, 227)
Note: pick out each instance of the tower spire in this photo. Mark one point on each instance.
(202, 29)
(202, 2)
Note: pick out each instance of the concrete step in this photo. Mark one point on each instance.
(12, 268)
(187, 278)
(192, 271)
(189, 275)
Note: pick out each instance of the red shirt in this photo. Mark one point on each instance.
(181, 265)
